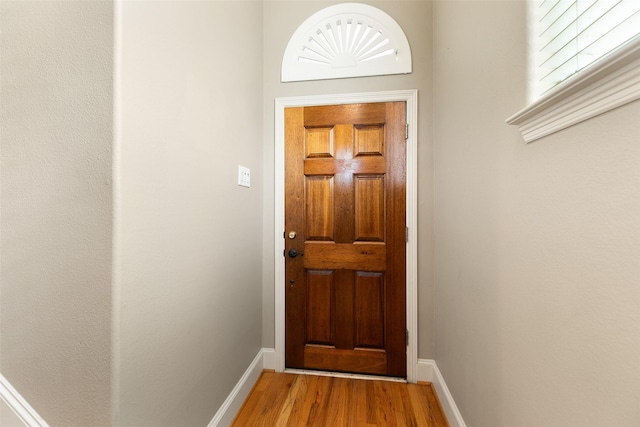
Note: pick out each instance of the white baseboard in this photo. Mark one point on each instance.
(19, 406)
(230, 407)
(269, 358)
(428, 371)
(425, 370)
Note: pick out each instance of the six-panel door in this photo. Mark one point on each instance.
(345, 208)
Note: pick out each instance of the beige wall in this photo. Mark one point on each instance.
(8, 418)
(537, 245)
(189, 239)
(55, 234)
(281, 19)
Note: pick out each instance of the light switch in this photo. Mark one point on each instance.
(244, 176)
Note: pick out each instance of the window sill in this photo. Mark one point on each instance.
(613, 82)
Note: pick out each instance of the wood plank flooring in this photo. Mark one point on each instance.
(280, 399)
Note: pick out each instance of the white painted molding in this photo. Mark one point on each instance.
(19, 406)
(425, 370)
(429, 372)
(346, 40)
(231, 405)
(411, 98)
(269, 358)
(606, 85)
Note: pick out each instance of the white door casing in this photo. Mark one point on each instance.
(411, 98)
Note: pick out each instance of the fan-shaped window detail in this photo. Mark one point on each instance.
(346, 40)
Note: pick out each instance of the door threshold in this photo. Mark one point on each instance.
(344, 375)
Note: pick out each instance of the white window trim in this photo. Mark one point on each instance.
(608, 84)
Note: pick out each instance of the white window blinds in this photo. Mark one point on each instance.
(572, 34)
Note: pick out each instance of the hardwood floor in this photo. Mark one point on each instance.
(280, 399)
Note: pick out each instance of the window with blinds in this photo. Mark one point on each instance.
(573, 34)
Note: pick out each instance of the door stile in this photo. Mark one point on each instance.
(294, 217)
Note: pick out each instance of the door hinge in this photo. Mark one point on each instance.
(406, 131)
(406, 234)
(407, 331)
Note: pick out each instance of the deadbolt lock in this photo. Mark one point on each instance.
(292, 234)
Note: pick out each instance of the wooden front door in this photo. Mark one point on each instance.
(345, 248)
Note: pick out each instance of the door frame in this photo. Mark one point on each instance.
(411, 99)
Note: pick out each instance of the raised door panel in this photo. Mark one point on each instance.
(319, 307)
(318, 142)
(369, 204)
(369, 141)
(369, 310)
(319, 207)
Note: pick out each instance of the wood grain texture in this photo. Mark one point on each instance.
(362, 114)
(345, 199)
(372, 165)
(369, 309)
(369, 202)
(369, 140)
(319, 203)
(296, 291)
(319, 324)
(280, 399)
(365, 360)
(333, 256)
(318, 142)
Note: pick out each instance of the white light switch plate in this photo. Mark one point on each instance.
(244, 176)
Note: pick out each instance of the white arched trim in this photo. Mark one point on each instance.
(346, 40)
